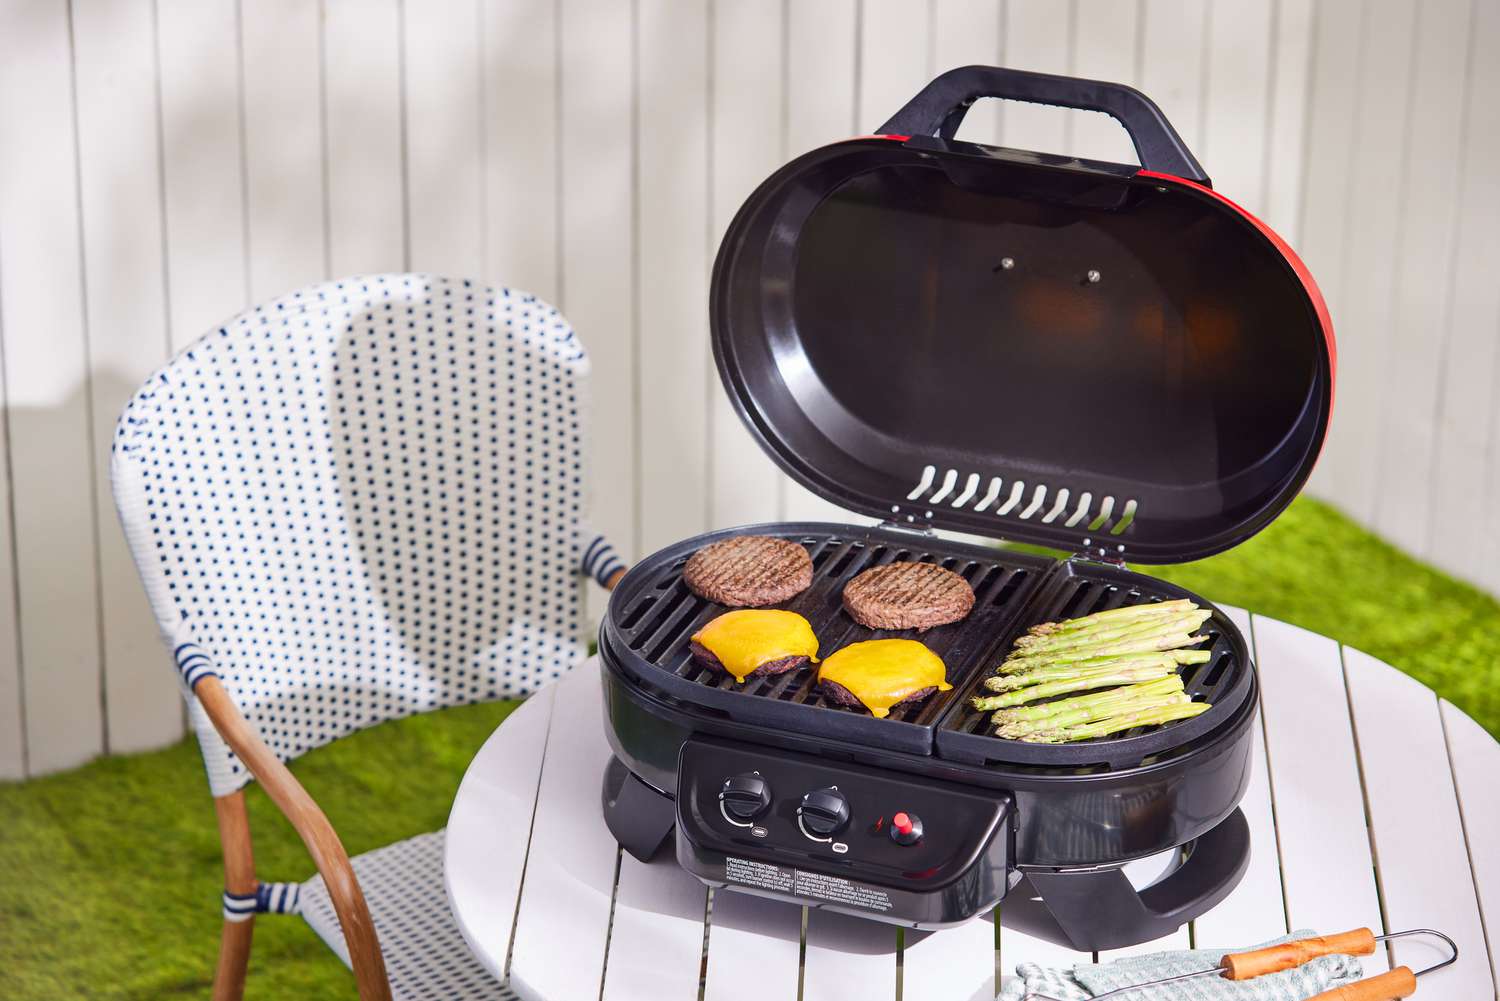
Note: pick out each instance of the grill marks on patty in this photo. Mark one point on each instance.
(748, 571)
(704, 656)
(839, 695)
(908, 596)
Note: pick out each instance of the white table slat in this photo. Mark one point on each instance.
(1432, 803)
(1419, 838)
(1475, 758)
(848, 958)
(754, 948)
(656, 941)
(1255, 911)
(571, 868)
(1326, 864)
(950, 964)
(499, 789)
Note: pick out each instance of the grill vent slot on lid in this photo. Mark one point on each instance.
(943, 486)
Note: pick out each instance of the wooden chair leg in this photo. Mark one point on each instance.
(234, 958)
(239, 877)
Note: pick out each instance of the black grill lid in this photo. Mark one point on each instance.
(1099, 358)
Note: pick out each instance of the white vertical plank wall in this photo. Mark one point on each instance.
(45, 340)
(518, 98)
(119, 161)
(362, 136)
(169, 162)
(284, 197)
(1468, 434)
(672, 261)
(597, 290)
(442, 124)
(745, 122)
(1106, 40)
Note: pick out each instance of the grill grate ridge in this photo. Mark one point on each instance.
(1083, 596)
(658, 624)
(652, 620)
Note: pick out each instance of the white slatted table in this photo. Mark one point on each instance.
(546, 898)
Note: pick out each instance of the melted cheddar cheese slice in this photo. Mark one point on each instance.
(745, 639)
(880, 673)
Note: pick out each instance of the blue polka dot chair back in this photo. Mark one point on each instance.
(362, 501)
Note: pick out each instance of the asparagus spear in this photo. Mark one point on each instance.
(1114, 724)
(1147, 643)
(1083, 683)
(1078, 669)
(1055, 670)
(1125, 613)
(1184, 621)
(1102, 705)
(1023, 729)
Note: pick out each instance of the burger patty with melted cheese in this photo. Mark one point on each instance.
(755, 641)
(882, 674)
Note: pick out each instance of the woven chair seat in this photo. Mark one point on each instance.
(426, 957)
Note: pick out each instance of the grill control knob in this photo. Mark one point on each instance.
(823, 812)
(906, 828)
(745, 797)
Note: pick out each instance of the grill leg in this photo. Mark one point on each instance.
(640, 818)
(1098, 909)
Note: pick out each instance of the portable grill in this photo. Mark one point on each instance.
(1112, 361)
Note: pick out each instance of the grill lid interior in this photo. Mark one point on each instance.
(1023, 346)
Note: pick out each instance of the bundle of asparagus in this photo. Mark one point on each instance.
(1131, 653)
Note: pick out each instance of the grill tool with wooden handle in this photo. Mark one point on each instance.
(1398, 983)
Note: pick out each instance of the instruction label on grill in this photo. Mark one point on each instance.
(761, 874)
(816, 885)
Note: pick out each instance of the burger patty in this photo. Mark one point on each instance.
(908, 596)
(748, 571)
(836, 692)
(704, 656)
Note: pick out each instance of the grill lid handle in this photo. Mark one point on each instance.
(939, 109)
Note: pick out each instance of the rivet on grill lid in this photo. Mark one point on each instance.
(1093, 276)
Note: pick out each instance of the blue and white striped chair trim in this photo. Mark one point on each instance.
(194, 664)
(600, 561)
(268, 898)
(239, 906)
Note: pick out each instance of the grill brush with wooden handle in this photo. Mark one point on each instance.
(1398, 983)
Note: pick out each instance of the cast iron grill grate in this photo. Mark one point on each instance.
(657, 623)
(653, 615)
(1084, 590)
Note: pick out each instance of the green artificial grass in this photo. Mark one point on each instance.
(110, 878)
(110, 875)
(1315, 568)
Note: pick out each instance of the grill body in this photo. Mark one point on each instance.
(1092, 357)
(1079, 809)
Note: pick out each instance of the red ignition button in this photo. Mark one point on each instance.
(906, 828)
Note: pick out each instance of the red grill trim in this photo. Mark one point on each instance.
(1300, 269)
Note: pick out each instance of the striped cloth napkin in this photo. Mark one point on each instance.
(1089, 980)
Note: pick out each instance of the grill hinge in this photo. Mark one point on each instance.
(1113, 555)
